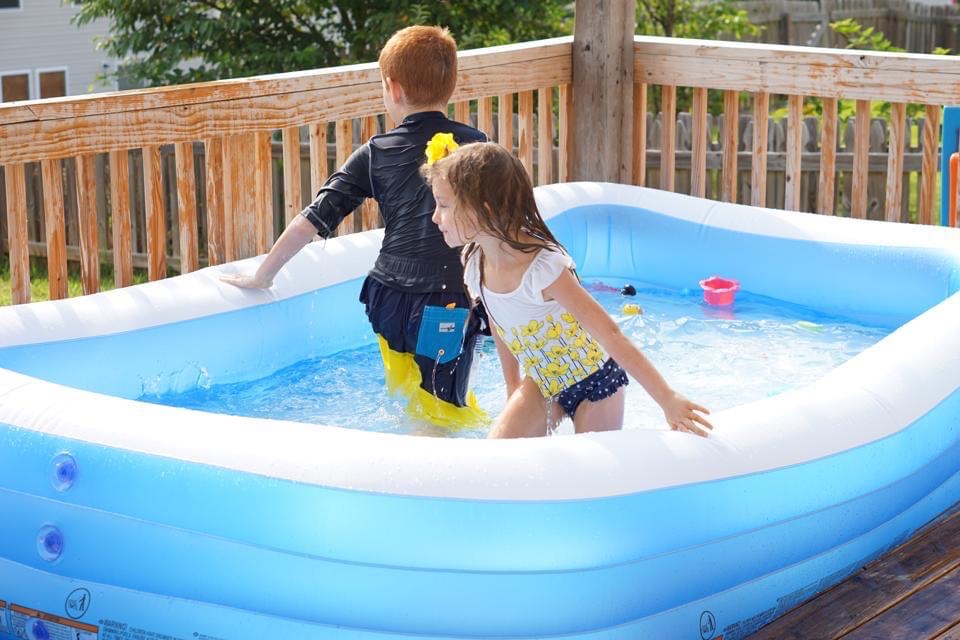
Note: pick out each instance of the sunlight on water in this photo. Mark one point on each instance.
(719, 357)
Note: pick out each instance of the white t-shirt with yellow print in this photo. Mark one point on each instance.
(552, 348)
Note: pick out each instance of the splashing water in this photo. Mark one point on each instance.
(718, 357)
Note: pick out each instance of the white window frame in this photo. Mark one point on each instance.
(66, 80)
(19, 72)
(17, 8)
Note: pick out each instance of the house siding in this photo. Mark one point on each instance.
(40, 37)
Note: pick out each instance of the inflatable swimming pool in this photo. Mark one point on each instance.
(121, 520)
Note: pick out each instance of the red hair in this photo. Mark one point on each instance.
(423, 61)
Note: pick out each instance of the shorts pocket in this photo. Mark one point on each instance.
(441, 333)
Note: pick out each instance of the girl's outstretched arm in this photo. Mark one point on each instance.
(681, 413)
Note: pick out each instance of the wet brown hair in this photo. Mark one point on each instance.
(423, 60)
(492, 183)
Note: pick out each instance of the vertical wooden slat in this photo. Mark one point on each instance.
(292, 198)
(216, 235)
(485, 116)
(239, 196)
(794, 151)
(928, 170)
(187, 207)
(263, 184)
(505, 121)
(344, 130)
(898, 120)
(758, 169)
(19, 253)
(369, 212)
(153, 199)
(698, 153)
(639, 162)
(53, 218)
(731, 140)
(120, 213)
(319, 169)
(565, 134)
(87, 219)
(861, 161)
(545, 135)
(525, 130)
(828, 157)
(668, 137)
(461, 111)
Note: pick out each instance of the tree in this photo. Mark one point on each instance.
(174, 41)
(704, 19)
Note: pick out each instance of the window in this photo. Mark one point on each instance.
(15, 86)
(9, 4)
(53, 83)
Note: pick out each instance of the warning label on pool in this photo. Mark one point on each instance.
(116, 630)
(30, 623)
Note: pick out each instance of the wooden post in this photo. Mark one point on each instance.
(122, 226)
(16, 192)
(216, 235)
(53, 215)
(87, 218)
(156, 225)
(603, 90)
(731, 120)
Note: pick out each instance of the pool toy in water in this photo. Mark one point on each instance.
(632, 310)
(718, 291)
(812, 327)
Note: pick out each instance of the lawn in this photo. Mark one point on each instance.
(40, 287)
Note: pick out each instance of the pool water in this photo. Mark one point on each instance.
(717, 356)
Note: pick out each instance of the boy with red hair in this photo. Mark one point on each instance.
(416, 275)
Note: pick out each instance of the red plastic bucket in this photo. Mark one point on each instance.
(718, 291)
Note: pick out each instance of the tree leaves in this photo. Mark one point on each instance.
(173, 41)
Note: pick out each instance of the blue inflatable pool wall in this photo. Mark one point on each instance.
(124, 520)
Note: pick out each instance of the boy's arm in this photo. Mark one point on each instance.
(295, 237)
(342, 193)
(681, 413)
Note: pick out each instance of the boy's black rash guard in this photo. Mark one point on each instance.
(413, 256)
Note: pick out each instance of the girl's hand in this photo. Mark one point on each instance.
(246, 281)
(684, 415)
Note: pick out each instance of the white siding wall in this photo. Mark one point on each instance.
(39, 36)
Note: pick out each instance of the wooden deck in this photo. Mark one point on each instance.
(911, 593)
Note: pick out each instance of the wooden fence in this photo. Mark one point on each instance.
(221, 204)
(912, 26)
(234, 121)
(775, 187)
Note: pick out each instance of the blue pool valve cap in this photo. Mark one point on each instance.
(64, 471)
(50, 543)
(39, 631)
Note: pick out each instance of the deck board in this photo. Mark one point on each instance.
(911, 592)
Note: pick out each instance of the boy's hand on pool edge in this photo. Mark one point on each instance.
(245, 281)
(684, 415)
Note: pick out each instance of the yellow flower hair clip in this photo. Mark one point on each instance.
(440, 146)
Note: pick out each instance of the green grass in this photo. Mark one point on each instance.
(40, 284)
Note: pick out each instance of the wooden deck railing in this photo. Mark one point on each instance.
(236, 121)
(797, 73)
